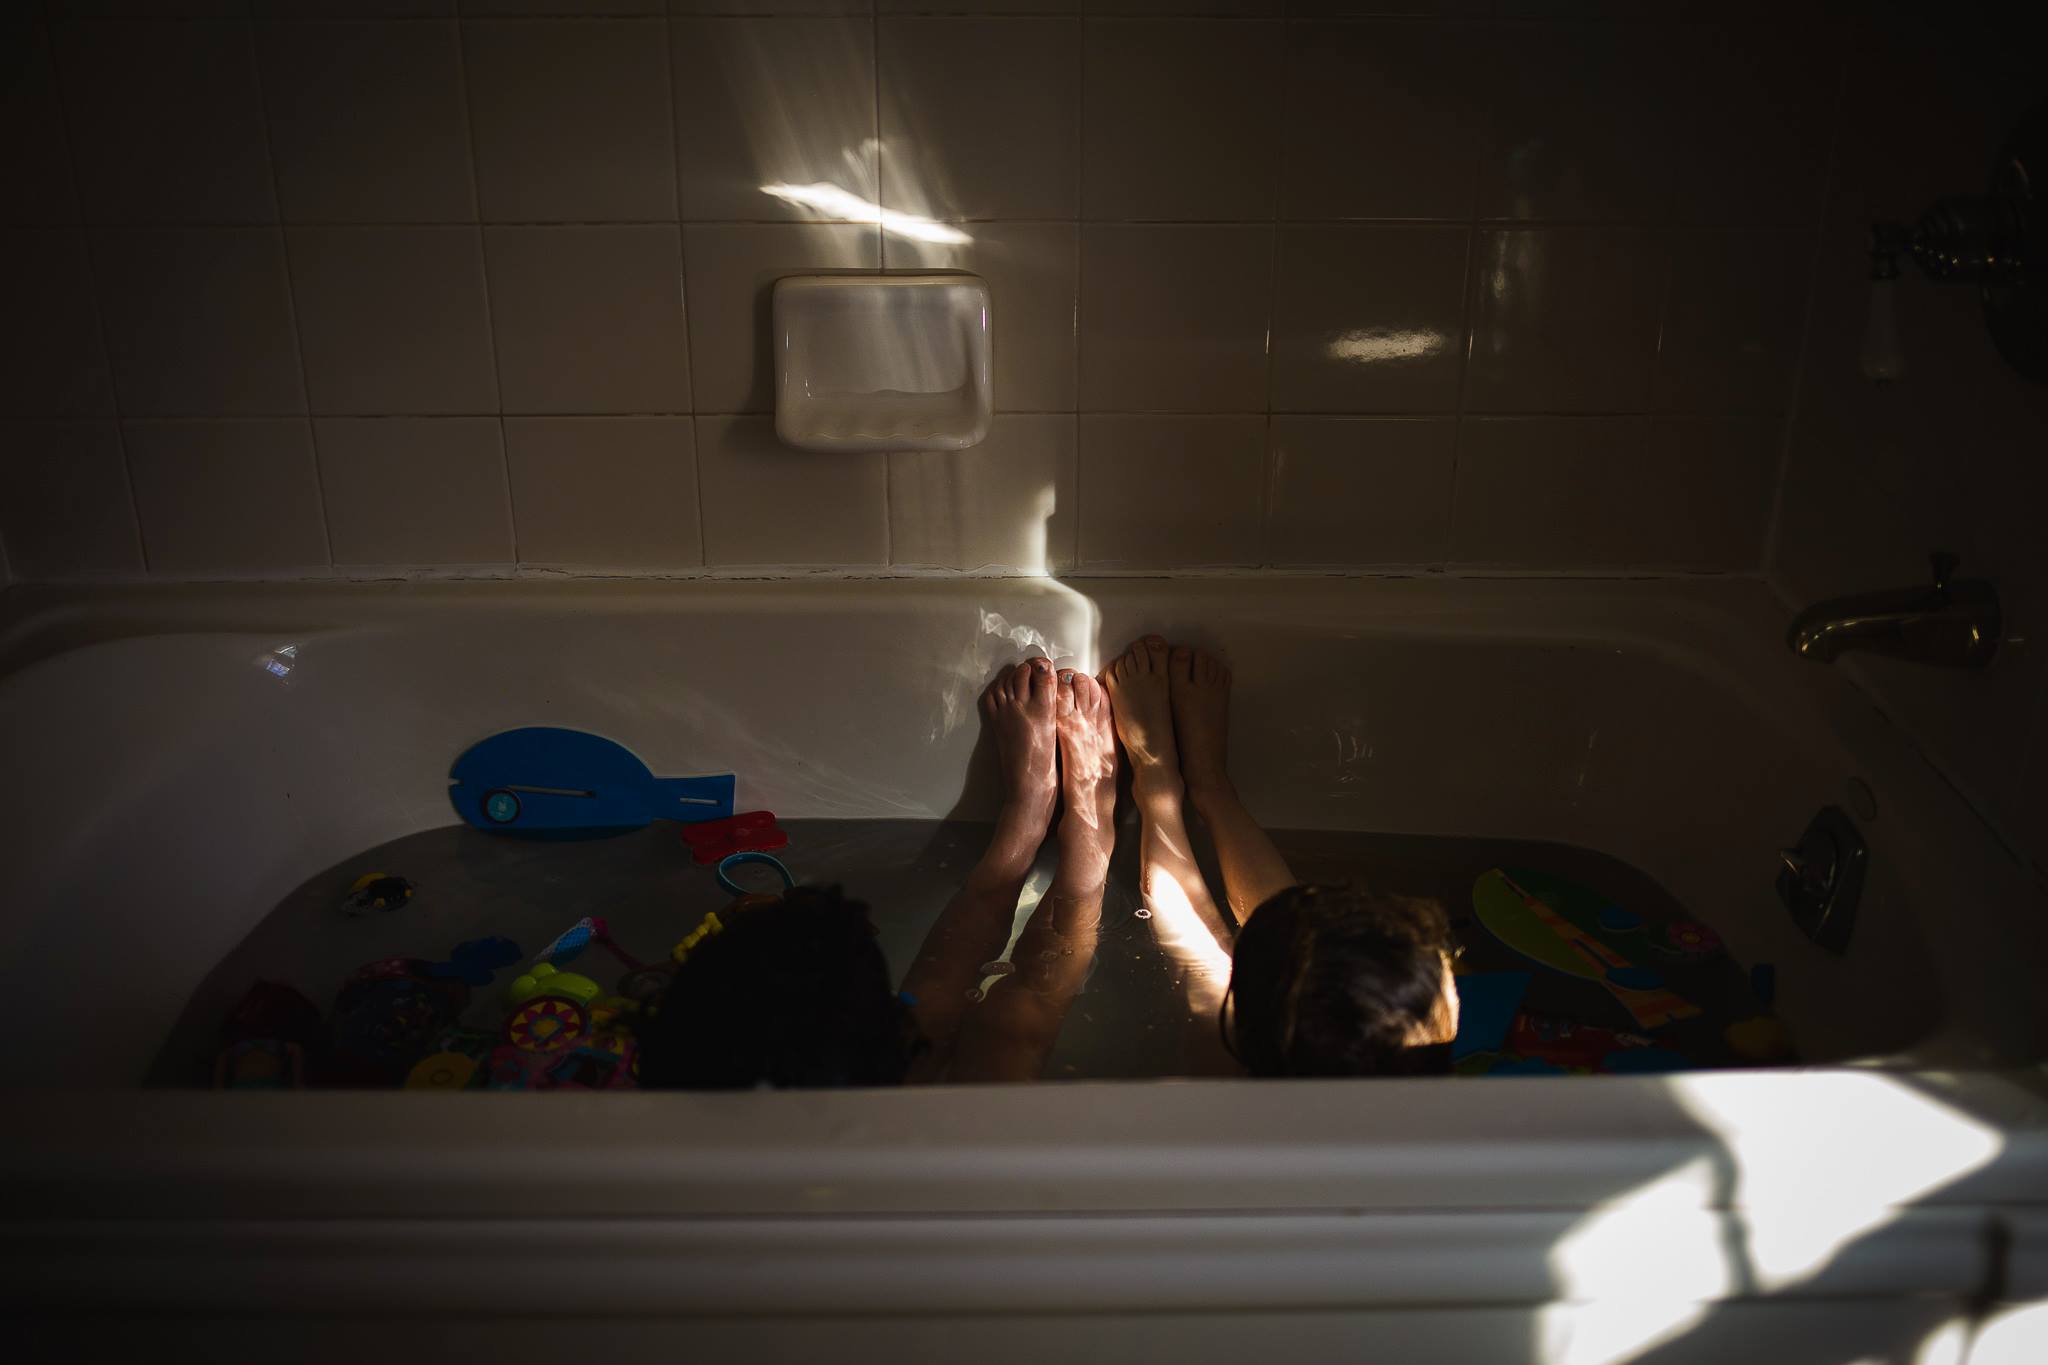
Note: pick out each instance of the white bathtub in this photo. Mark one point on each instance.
(181, 758)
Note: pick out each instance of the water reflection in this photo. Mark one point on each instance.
(831, 202)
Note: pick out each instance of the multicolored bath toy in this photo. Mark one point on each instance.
(1690, 938)
(543, 979)
(376, 891)
(1535, 929)
(475, 962)
(752, 832)
(551, 1023)
(542, 780)
(443, 1071)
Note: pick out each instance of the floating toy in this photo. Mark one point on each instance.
(1487, 1002)
(1616, 920)
(476, 961)
(727, 864)
(1578, 1047)
(605, 1062)
(543, 979)
(752, 832)
(571, 942)
(380, 1027)
(376, 891)
(1534, 929)
(512, 1068)
(551, 1023)
(1762, 1039)
(543, 780)
(1690, 938)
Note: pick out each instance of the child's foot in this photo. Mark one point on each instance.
(1201, 721)
(1020, 709)
(1142, 703)
(1088, 780)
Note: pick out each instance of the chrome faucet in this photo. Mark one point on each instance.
(1954, 624)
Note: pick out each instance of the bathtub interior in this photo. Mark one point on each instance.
(185, 762)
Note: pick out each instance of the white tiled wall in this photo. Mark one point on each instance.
(1955, 455)
(368, 286)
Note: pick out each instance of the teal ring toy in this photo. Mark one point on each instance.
(732, 860)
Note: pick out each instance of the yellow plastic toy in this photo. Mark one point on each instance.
(543, 979)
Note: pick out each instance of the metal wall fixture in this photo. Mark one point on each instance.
(1998, 239)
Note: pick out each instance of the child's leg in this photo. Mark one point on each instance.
(1009, 1036)
(1184, 917)
(1020, 708)
(1253, 870)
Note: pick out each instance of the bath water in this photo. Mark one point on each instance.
(1129, 1020)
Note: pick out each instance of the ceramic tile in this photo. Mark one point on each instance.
(1563, 319)
(149, 9)
(353, 9)
(1607, 493)
(1580, 123)
(64, 505)
(775, 102)
(605, 492)
(1339, 9)
(981, 117)
(1173, 318)
(571, 119)
(1755, 104)
(1360, 490)
(231, 498)
(1369, 318)
(367, 122)
(1180, 119)
(414, 490)
(198, 321)
(1167, 492)
(51, 361)
(1030, 269)
(765, 504)
(971, 6)
(1381, 121)
(557, 8)
(393, 320)
(1732, 320)
(1240, 9)
(589, 319)
(166, 122)
(757, 8)
(35, 163)
(729, 270)
(1007, 503)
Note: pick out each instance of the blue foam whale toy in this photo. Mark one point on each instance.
(541, 779)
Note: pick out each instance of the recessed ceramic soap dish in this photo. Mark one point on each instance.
(882, 362)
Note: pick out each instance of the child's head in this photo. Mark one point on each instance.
(1336, 981)
(793, 993)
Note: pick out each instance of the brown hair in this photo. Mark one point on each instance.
(1339, 981)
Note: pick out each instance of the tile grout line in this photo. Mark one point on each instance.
(675, 150)
(483, 256)
(881, 267)
(291, 291)
(1775, 525)
(92, 277)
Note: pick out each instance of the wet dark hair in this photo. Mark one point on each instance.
(1334, 981)
(791, 994)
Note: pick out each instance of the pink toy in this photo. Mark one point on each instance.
(714, 841)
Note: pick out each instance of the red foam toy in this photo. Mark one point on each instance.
(755, 831)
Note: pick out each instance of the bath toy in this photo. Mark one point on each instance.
(443, 1071)
(730, 862)
(376, 891)
(544, 780)
(382, 1026)
(645, 987)
(543, 979)
(476, 961)
(605, 1062)
(1572, 1045)
(1690, 938)
(512, 1068)
(1487, 1002)
(1537, 931)
(571, 942)
(1616, 920)
(260, 1064)
(753, 832)
(550, 1023)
